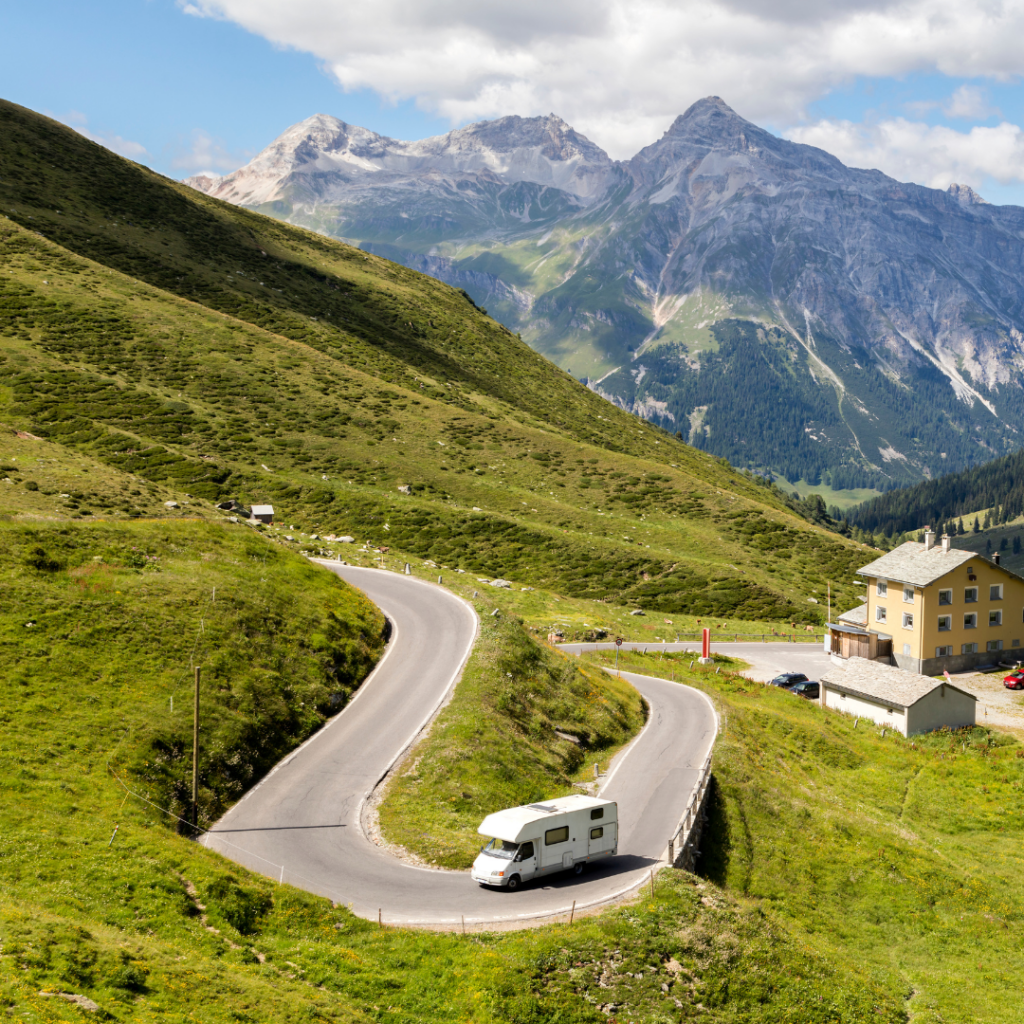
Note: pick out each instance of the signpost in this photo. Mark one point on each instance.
(705, 647)
(618, 644)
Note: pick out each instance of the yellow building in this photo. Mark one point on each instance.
(939, 608)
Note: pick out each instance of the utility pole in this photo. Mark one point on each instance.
(195, 756)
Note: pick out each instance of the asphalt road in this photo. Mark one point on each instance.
(301, 824)
(767, 660)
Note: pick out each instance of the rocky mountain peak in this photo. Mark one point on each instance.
(966, 196)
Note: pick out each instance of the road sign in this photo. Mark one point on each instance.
(618, 641)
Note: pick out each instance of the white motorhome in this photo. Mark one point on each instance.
(539, 839)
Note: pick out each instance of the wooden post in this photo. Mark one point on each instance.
(195, 756)
(572, 913)
(652, 883)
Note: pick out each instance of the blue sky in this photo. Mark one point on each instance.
(927, 90)
(144, 72)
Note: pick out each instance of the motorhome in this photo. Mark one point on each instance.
(539, 839)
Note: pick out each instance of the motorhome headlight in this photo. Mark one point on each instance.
(497, 874)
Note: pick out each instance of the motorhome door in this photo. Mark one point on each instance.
(526, 860)
(602, 837)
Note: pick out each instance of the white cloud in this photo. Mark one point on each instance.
(969, 102)
(620, 70)
(928, 154)
(206, 155)
(124, 147)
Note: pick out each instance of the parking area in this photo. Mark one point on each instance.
(766, 660)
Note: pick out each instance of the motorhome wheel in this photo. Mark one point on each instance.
(577, 869)
(514, 882)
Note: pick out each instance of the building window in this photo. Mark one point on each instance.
(908, 620)
(879, 613)
(994, 645)
(995, 618)
(1016, 643)
(945, 597)
(945, 623)
(944, 652)
(882, 588)
(970, 595)
(908, 594)
(906, 650)
(968, 648)
(995, 592)
(971, 620)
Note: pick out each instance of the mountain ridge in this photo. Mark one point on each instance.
(890, 315)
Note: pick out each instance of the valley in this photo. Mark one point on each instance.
(162, 351)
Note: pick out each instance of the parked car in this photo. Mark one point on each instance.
(808, 688)
(788, 679)
(1015, 680)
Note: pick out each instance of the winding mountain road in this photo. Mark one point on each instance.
(301, 824)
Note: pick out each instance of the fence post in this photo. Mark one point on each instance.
(671, 853)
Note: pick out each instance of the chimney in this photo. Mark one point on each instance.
(929, 538)
(945, 543)
(996, 557)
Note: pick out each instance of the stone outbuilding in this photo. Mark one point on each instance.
(890, 696)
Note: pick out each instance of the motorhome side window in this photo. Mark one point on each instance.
(556, 835)
(596, 833)
(596, 813)
(526, 851)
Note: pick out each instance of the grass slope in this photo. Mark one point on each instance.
(893, 857)
(209, 351)
(847, 877)
(503, 741)
(152, 926)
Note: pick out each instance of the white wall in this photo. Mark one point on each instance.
(943, 706)
(862, 708)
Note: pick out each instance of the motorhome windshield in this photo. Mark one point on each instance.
(501, 848)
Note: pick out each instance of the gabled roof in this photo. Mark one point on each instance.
(911, 563)
(884, 684)
(856, 616)
(263, 510)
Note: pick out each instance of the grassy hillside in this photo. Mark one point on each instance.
(108, 620)
(899, 857)
(101, 623)
(198, 349)
(847, 877)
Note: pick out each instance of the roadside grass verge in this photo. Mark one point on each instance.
(521, 724)
(898, 857)
(100, 628)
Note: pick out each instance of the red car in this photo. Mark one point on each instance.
(1015, 680)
